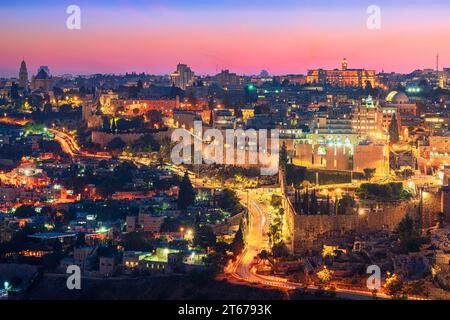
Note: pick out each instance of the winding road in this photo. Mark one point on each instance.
(257, 239)
(242, 269)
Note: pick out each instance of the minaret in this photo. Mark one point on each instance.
(440, 78)
(437, 63)
(23, 75)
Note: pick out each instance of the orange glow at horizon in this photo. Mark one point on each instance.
(287, 43)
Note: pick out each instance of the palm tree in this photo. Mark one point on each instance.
(164, 151)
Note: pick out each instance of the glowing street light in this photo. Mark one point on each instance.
(189, 235)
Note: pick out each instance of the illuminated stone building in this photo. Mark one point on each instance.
(338, 153)
(332, 157)
(367, 119)
(401, 102)
(106, 98)
(345, 77)
(224, 119)
(339, 144)
(42, 80)
(184, 119)
(91, 115)
(144, 222)
(26, 175)
(132, 108)
(332, 145)
(436, 124)
(398, 103)
(373, 156)
(435, 153)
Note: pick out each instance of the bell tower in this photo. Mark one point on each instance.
(344, 64)
(23, 75)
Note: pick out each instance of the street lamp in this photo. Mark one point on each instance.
(189, 235)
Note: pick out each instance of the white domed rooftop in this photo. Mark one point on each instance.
(397, 97)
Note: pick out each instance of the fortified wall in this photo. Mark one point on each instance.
(311, 231)
(308, 231)
(103, 138)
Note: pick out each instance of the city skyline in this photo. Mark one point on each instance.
(33, 69)
(291, 38)
(257, 151)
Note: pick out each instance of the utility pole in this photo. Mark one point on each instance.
(437, 64)
(437, 70)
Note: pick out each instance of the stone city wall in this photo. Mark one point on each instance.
(307, 231)
(103, 138)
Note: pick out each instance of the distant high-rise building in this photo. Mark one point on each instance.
(227, 78)
(23, 75)
(182, 77)
(264, 74)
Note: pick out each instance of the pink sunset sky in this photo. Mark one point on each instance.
(153, 39)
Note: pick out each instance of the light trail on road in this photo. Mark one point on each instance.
(256, 240)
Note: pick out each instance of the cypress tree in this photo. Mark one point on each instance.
(328, 207)
(305, 202)
(113, 126)
(186, 193)
(211, 119)
(284, 158)
(314, 205)
(393, 129)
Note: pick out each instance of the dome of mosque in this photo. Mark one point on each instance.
(397, 97)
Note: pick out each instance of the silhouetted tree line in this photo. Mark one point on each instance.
(308, 203)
